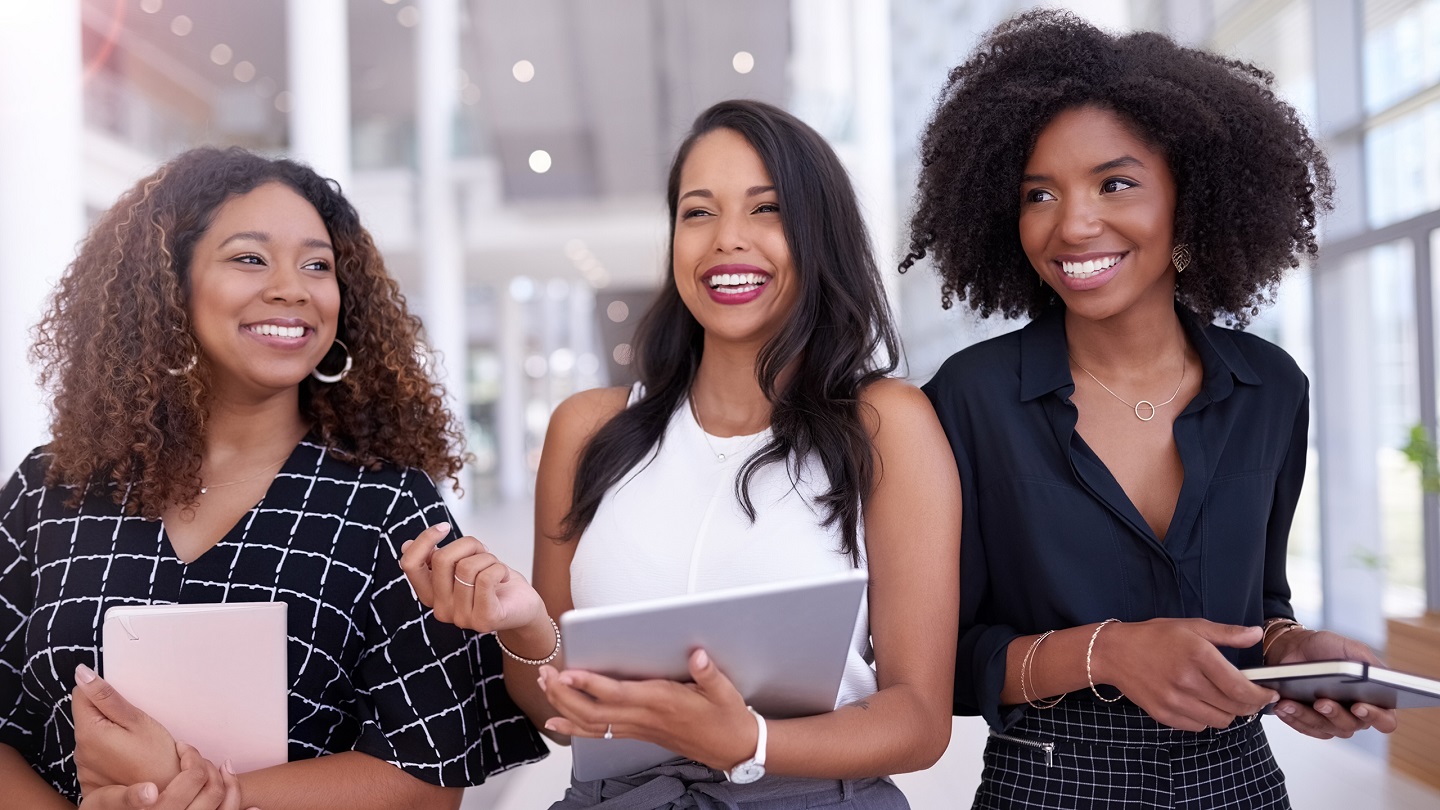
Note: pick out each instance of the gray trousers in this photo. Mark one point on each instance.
(682, 784)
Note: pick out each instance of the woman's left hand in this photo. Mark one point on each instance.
(1326, 718)
(116, 743)
(706, 721)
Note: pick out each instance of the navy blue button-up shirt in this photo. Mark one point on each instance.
(1051, 541)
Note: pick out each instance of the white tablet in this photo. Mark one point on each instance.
(214, 675)
(1348, 682)
(783, 644)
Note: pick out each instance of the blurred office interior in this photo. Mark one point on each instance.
(510, 159)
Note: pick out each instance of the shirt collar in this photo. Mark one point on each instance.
(1045, 367)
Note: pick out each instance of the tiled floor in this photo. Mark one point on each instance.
(1321, 775)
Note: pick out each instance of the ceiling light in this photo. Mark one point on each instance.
(623, 354)
(151, 6)
(220, 54)
(618, 311)
(408, 16)
(283, 100)
(244, 71)
(743, 62)
(181, 26)
(470, 94)
(523, 71)
(540, 161)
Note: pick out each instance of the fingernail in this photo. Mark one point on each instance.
(1288, 710)
(541, 680)
(552, 725)
(229, 768)
(405, 545)
(84, 674)
(1325, 710)
(443, 528)
(702, 660)
(1361, 711)
(149, 793)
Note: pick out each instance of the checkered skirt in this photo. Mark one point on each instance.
(1084, 753)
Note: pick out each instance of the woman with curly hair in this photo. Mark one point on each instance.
(764, 443)
(1130, 470)
(241, 413)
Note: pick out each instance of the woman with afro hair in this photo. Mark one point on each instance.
(1129, 469)
(241, 413)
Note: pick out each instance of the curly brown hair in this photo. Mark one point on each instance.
(1249, 178)
(117, 336)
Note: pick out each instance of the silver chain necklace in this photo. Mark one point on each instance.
(695, 411)
(1144, 403)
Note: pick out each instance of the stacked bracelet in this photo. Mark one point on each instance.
(1090, 650)
(534, 662)
(1025, 674)
(1267, 640)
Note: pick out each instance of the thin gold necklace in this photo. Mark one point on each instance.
(1144, 403)
(695, 411)
(204, 488)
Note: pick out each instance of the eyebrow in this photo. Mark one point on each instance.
(753, 191)
(264, 238)
(1109, 165)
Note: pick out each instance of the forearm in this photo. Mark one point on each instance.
(1057, 665)
(345, 781)
(23, 787)
(534, 641)
(892, 731)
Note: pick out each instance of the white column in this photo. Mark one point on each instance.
(42, 213)
(317, 45)
(874, 170)
(441, 253)
(510, 408)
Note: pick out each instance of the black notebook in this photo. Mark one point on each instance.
(1347, 682)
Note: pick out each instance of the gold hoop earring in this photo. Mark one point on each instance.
(1180, 257)
(339, 375)
(189, 367)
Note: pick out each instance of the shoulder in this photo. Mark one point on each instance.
(582, 414)
(1269, 362)
(891, 397)
(997, 356)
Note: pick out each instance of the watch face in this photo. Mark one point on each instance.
(747, 772)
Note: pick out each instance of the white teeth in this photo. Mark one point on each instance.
(745, 281)
(1086, 269)
(273, 330)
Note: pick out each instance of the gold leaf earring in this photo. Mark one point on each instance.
(1180, 257)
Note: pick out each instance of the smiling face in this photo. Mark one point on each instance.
(1097, 214)
(731, 260)
(264, 300)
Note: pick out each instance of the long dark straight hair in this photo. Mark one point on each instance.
(839, 337)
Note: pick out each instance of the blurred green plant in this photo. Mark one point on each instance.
(1420, 450)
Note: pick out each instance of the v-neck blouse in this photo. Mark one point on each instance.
(370, 669)
(1049, 538)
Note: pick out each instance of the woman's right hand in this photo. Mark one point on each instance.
(1173, 670)
(468, 586)
(199, 786)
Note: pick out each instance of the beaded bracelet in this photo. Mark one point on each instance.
(1025, 672)
(534, 662)
(1089, 650)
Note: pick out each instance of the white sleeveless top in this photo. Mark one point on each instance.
(673, 525)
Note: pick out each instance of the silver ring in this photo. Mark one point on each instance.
(463, 582)
(609, 732)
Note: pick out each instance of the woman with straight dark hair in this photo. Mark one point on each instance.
(764, 442)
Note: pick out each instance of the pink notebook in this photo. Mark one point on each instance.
(214, 675)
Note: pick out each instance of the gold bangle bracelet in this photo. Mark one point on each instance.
(1269, 643)
(1025, 673)
(534, 662)
(1089, 651)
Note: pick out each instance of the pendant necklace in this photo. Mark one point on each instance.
(1152, 407)
(204, 488)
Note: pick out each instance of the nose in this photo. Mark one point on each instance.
(1079, 219)
(287, 285)
(732, 233)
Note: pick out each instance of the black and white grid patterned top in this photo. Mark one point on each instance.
(371, 669)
